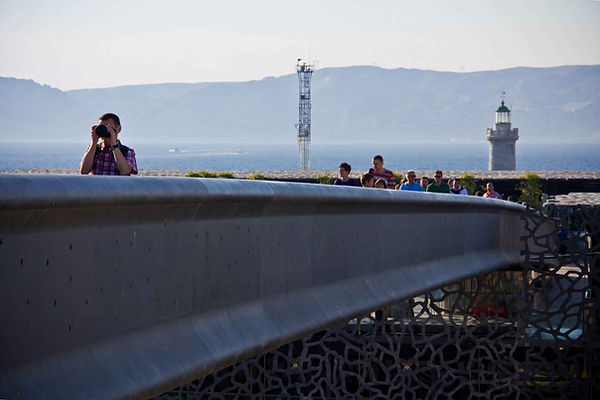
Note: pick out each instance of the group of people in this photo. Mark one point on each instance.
(379, 177)
(110, 157)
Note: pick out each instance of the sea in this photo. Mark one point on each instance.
(324, 156)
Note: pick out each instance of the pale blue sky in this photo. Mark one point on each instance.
(78, 44)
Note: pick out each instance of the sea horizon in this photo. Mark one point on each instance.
(239, 156)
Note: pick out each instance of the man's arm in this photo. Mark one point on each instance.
(87, 162)
(124, 168)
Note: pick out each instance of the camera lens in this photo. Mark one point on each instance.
(102, 131)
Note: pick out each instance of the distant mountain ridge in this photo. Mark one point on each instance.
(361, 103)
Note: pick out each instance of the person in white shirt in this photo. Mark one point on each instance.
(456, 188)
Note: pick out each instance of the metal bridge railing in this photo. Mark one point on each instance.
(119, 287)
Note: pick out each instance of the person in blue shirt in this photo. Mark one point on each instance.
(412, 183)
(345, 179)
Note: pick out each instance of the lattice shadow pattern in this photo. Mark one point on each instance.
(528, 332)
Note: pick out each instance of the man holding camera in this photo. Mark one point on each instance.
(110, 157)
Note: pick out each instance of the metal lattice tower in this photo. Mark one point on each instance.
(304, 75)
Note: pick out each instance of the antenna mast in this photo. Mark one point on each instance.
(304, 119)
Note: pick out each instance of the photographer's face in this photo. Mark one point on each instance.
(110, 123)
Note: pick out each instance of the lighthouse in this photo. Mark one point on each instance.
(502, 141)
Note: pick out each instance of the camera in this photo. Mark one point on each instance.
(102, 131)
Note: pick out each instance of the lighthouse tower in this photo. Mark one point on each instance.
(502, 142)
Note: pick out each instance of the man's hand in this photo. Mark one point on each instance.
(112, 140)
(94, 136)
(85, 166)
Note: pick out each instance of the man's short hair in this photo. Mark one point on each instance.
(112, 116)
(439, 172)
(346, 166)
(378, 157)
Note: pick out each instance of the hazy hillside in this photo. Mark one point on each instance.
(352, 104)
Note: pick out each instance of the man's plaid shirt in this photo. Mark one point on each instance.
(105, 164)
